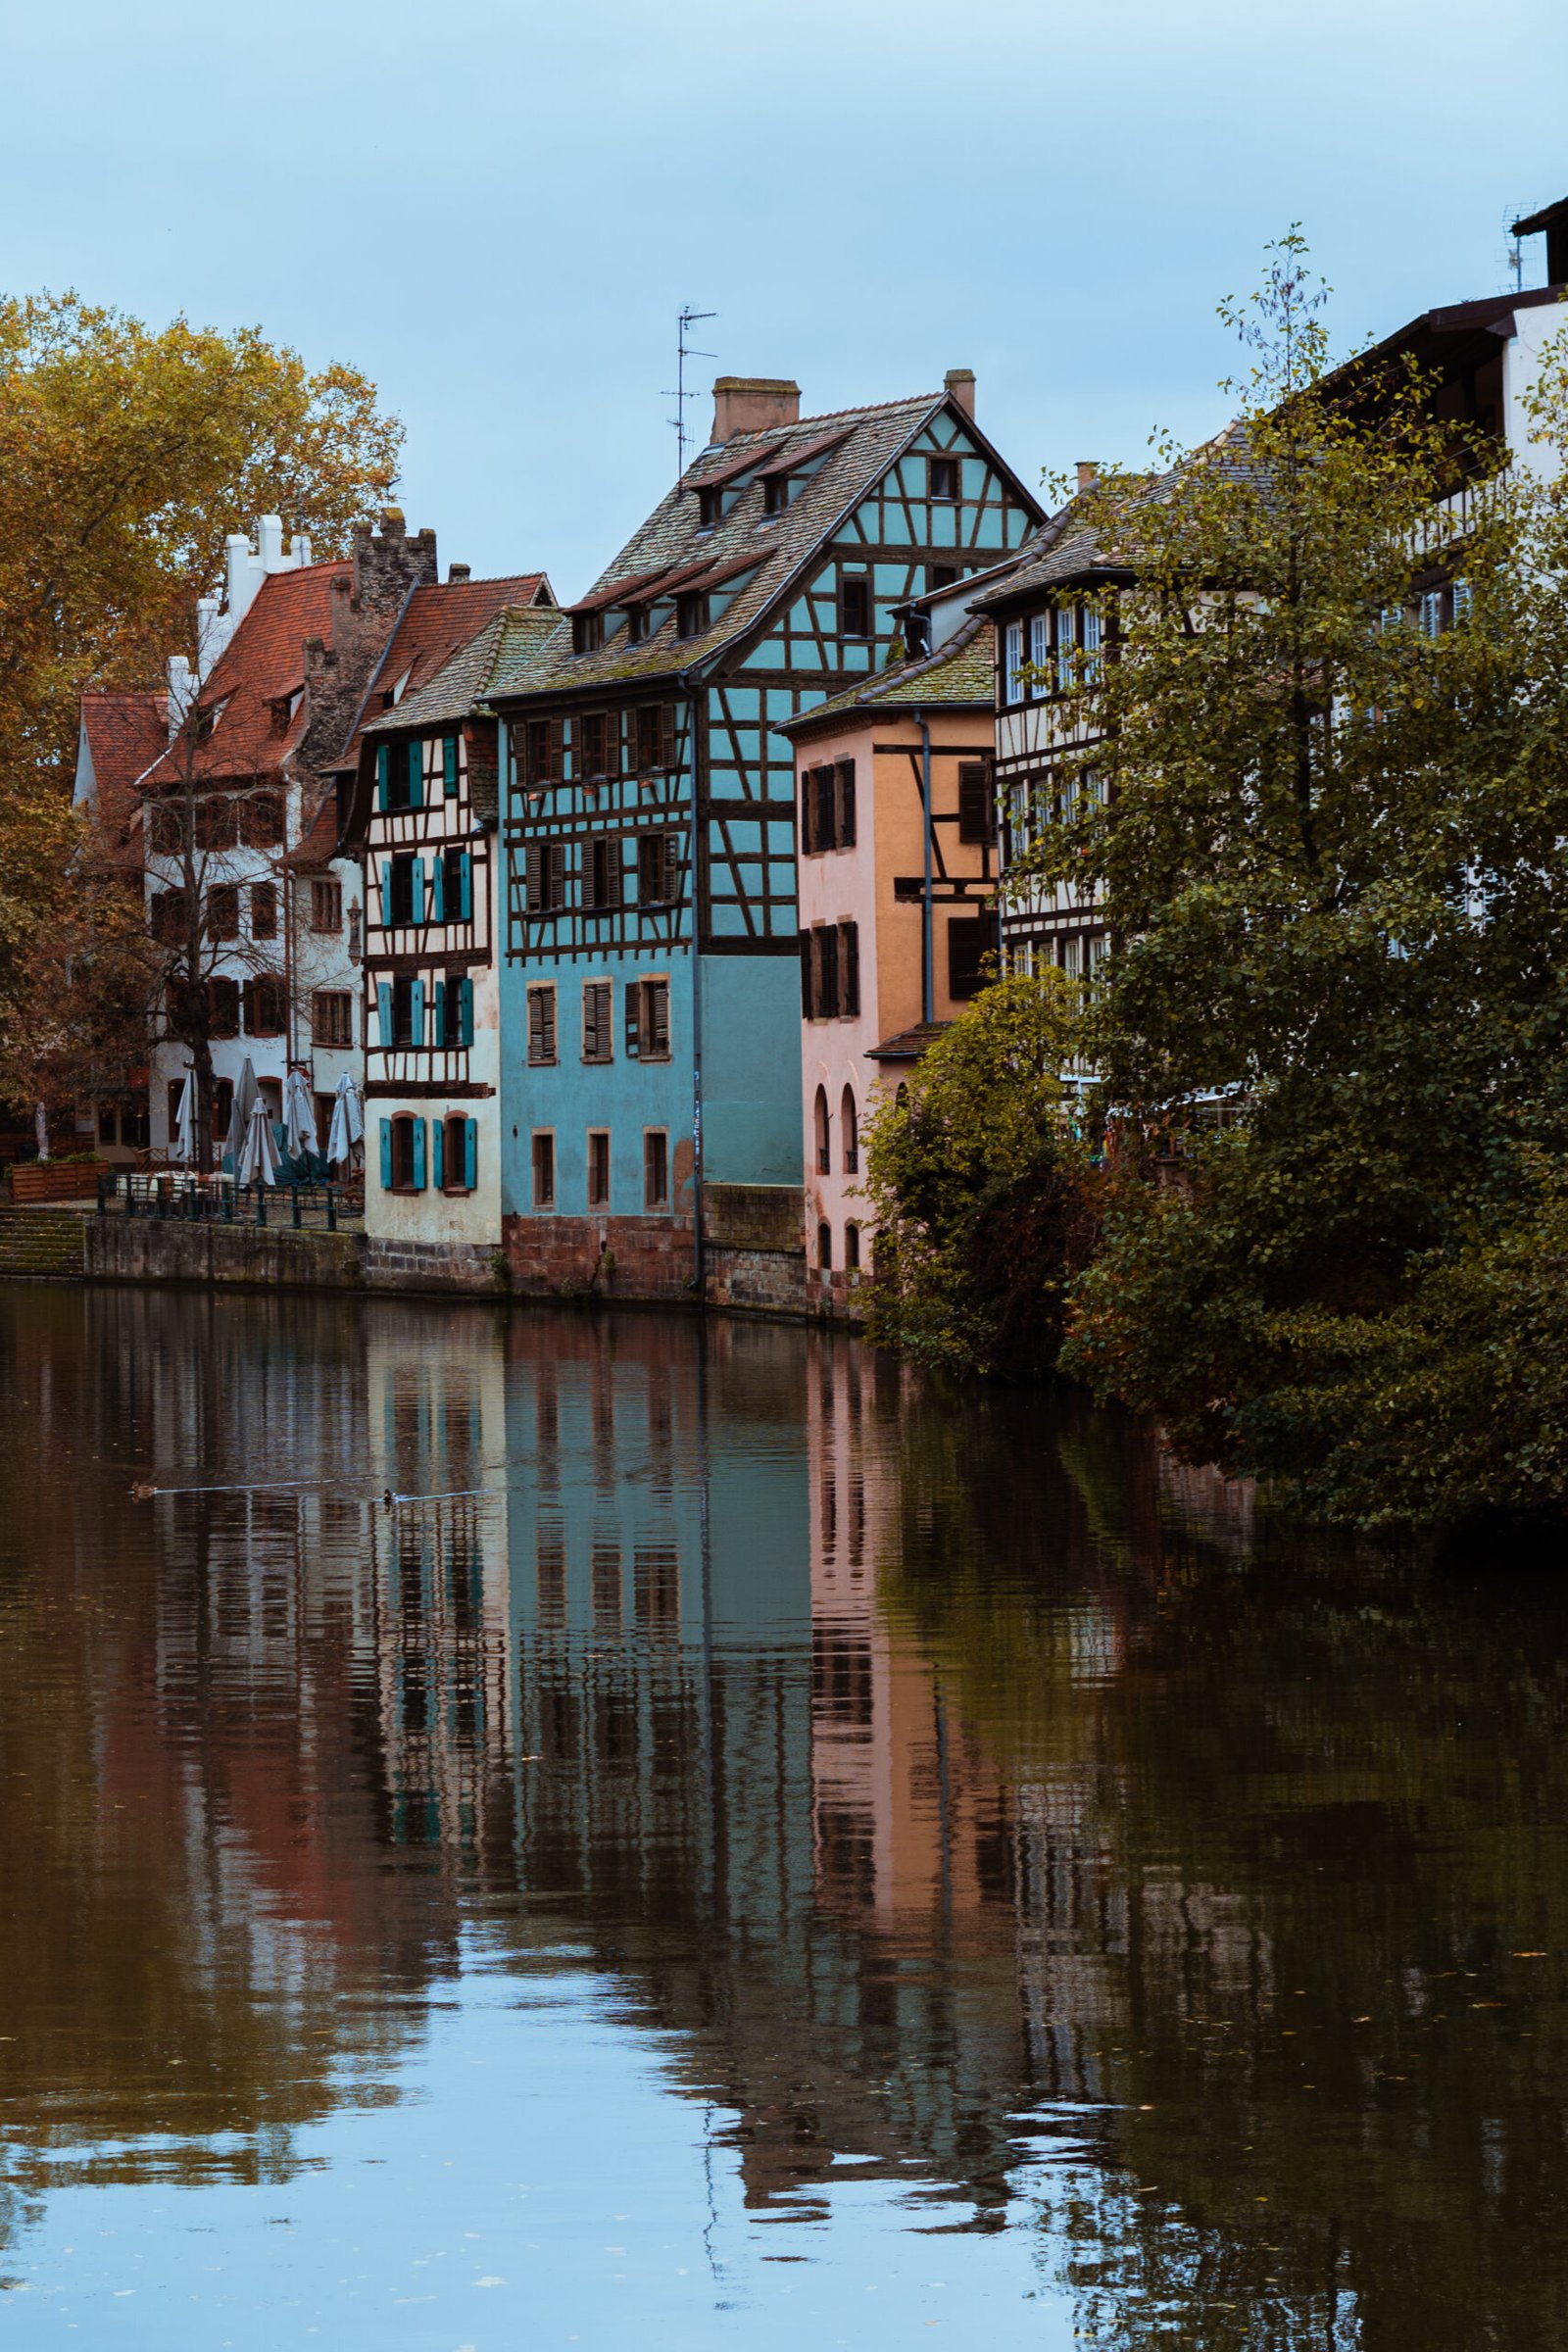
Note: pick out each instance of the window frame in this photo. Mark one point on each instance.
(542, 1167)
(853, 585)
(601, 1026)
(326, 906)
(947, 462)
(656, 1169)
(599, 1167)
(543, 993)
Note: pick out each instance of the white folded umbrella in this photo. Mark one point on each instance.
(184, 1146)
(239, 1117)
(299, 1115)
(258, 1161)
(348, 1121)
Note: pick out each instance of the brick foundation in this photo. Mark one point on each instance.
(392, 1264)
(602, 1257)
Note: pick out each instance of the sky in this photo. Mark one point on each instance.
(496, 209)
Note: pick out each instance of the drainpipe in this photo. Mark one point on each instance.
(699, 1240)
(928, 976)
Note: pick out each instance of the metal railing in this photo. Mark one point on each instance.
(188, 1199)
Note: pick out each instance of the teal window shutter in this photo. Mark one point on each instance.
(415, 775)
(380, 775)
(449, 766)
(418, 1012)
(465, 888)
(440, 1012)
(466, 1012)
(419, 1155)
(471, 1154)
(416, 891)
(438, 1134)
(386, 1155)
(386, 894)
(438, 890)
(383, 1010)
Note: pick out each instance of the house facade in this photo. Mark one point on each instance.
(421, 772)
(651, 1117)
(898, 875)
(241, 810)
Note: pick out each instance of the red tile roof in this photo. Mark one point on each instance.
(438, 622)
(125, 733)
(263, 662)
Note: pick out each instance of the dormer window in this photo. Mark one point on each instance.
(587, 632)
(709, 506)
(691, 613)
(775, 493)
(636, 623)
(941, 478)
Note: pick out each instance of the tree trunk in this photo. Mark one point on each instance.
(200, 1062)
(40, 1128)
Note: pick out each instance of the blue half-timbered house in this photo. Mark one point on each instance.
(650, 1111)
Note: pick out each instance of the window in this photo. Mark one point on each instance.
(222, 1107)
(827, 808)
(591, 745)
(222, 1006)
(601, 872)
(327, 907)
(408, 1010)
(541, 751)
(453, 882)
(454, 1013)
(851, 1247)
(544, 1168)
(169, 917)
(655, 1168)
(1013, 662)
(848, 960)
(449, 766)
(941, 478)
(332, 1017)
(264, 1016)
(598, 1168)
(825, 1147)
(323, 1106)
(403, 1155)
(850, 1131)
(263, 910)
(656, 1584)
(854, 605)
(1040, 654)
(658, 869)
(214, 821)
(648, 1019)
(545, 866)
(456, 1153)
(691, 613)
(541, 1025)
(824, 1246)
(830, 971)
(775, 493)
(222, 911)
(977, 809)
(710, 506)
(1429, 613)
(942, 576)
(1066, 641)
(969, 942)
(1091, 644)
(598, 1042)
(655, 737)
(261, 820)
(637, 616)
(587, 632)
(400, 907)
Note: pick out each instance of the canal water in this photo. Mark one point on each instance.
(548, 1830)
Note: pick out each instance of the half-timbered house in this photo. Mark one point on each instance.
(651, 1116)
(421, 768)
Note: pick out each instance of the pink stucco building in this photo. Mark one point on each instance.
(896, 912)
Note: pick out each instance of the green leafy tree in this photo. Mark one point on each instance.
(977, 1181)
(1330, 741)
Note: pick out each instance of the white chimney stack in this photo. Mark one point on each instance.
(181, 687)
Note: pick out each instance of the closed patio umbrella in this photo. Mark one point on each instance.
(239, 1117)
(258, 1161)
(299, 1117)
(348, 1121)
(184, 1146)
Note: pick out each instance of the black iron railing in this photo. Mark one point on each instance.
(188, 1199)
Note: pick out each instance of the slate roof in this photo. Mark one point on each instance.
(498, 657)
(440, 621)
(263, 660)
(126, 733)
(674, 549)
(959, 676)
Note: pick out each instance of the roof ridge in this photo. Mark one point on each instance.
(868, 408)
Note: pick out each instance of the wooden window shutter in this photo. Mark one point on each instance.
(471, 1154)
(415, 760)
(440, 1023)
(465, 1013)
(449, 766)
(671, 867)
(807, 998)
(557, 750)
(386, 1155)
(419, 1155)
(807, 821)
(382, 765)
(667, 737)
(386, 894)
(438, 1152)
(850, 967)
(466, 887)
(417, 909)
(533, 871)
(416, 1014)
(438, 889)
(659, 1015)
(827, 940)
(846, 804)
(976, 821)
(384, 1015)
(613, 869)
(556, 873)
(634, 1041)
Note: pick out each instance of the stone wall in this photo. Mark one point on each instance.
(409, 1265)
(156, 1249)
(604, 1257)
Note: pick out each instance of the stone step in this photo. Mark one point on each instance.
(40, 1242)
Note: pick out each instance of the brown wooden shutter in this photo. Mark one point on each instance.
(808, 993)
(826, 830)
(846, 804)
(669, 736)
(977, 816)
(807, 811)
(534, 870)
(850, 967)
(554, 873)
(671, 847)
(827, 948)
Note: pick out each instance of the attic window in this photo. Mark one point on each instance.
(775, 493)
(942, 478)
(709, 506)
(940, 576)
(397, 689)
(636, 623)
(691, 613)
(587, 632)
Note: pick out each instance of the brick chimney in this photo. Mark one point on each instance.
(754, 404)
(958, 386)
(1088, 472)
(456, 572)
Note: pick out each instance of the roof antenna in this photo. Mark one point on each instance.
(1516, 252)
(680, 396)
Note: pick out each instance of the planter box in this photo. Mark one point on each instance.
(48, 1180)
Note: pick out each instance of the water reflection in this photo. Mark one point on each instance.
(979, 1817)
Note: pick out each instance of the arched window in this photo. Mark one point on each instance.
(902, 1098)
(824, 1150)
(852, 1134)
(824, 1246)
(851, 1247)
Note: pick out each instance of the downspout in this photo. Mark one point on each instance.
(699, 1239)
(928, 989)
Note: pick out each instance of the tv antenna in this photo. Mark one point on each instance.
(1515, 247)
(680, 396)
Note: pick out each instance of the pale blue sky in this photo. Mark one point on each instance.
(497, 207)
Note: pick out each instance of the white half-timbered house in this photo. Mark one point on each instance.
(427, 805)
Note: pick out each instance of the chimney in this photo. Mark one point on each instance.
(1088, 472)
(181, 687)
(958, 386)
(754, 404)
(387, 564)
(456, 572)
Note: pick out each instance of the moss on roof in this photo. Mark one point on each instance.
(960, 675)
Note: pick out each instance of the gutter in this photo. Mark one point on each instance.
(928, 988)
(699, 1235)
